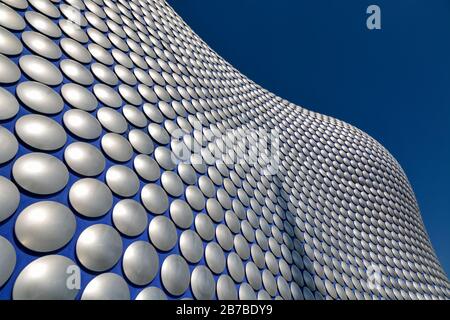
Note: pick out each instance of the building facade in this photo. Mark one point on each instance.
(135, 163)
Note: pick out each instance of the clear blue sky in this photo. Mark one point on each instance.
(393, 83)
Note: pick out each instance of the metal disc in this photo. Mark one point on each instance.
(10, 106)
(90, 197)
(39, 97)
(76, 72)
(191, 246)
(171, 182)
(235, 267)
(112, 120)
(82, 124)
(75, 50)
(7, 260)
(122, 181)
(175, 275)
(140, 141)
(181, 213)
(224, 237)
(206, 186)
(99, 247)
(162, 233)
(9, 198)
(187, 173)
(269, 282)
(41, 45)
(107, 95)
(154, 198)
(11, 19)
(195, 198)
(151, 293)
(40, 173)
(106, 75)
(9, 72)
(202, 283)
(253, 275)
(226, 289)
(42, 24)
(106, 286)
(9, 44)
(41, 70)
(45, 226)
(40, 132)
(246, 292)
(84, 158)
(215, 258)
(116, 147)
(146, 167)
(10, 146)
(140, 263)
(165, 158)
(135, 116)
(129, 217)
(46, 278)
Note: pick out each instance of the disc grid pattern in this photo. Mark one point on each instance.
(93, 97)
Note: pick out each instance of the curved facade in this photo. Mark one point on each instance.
(137, 163)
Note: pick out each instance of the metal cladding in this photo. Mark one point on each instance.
(139, 163)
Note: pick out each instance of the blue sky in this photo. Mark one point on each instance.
(393, 83)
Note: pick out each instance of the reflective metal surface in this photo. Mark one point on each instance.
(41, 70)
(9, 72)
(175, 275)
(45, 278)
(42, 24)
(106, 286)
(111, 120)
(140, 263)
(45, 226)
(226, 289)
(154, 198)
(82, 124)
(9, 198)
(10, 18)
(7, 260)
(41, 45)
(191, 246)
(129, 217)
(215, 257)
(121, 132)
(172, 183)
(99, 247)
(116, 147)
(202, 283)
(84, 159)
(9, 44)
(10, 146)
(39, 97)
(181, 214)
(151, 293)
(40, 173)
(162, 233)
(40, 132)
(78, 97)
(90, 197)
(246, 292)
(122, 180)
(9, 103)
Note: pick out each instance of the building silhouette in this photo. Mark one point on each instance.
(136, 163)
